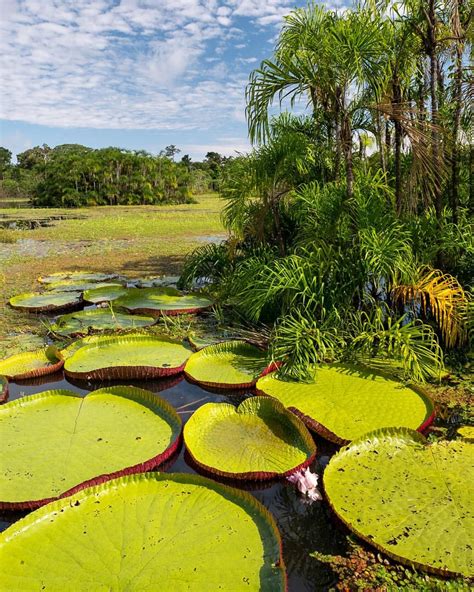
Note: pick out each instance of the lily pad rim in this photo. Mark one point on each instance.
(75, 303)
(34, 372)
(416, 437)
(256, 475)
(326, 433)
(145, 466)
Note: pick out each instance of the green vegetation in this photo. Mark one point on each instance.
(338, 252)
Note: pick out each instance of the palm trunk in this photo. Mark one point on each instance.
(396, 102)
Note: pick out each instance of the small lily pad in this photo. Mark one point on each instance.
(47, 301)
(258, 440)
(410, 499)
(128, 357)
(31, 364)
(77, 276)
(104, 294)
(148, 532)
(466, 432)
(85, 321)
(231, 364)
(80, 286)
(158, 301)
(83, 440)
(347, 401)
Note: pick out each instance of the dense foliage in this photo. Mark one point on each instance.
(351, 225)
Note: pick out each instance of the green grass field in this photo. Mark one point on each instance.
(135, 241)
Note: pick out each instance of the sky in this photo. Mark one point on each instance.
(138, 74)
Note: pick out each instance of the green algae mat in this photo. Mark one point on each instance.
(31, 364)
(410, 499)
(158, 301)
(46, 301)
(231, 364)
(258, 440)
(56, 441)
(128, 357)
(149, 532)
(345, 402)
(85, 321)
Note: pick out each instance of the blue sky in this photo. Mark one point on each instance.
(132, 73)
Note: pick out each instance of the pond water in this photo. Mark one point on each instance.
(304, 527)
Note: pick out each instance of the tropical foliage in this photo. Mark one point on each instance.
(351, 225)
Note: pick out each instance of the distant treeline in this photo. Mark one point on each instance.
(72, 175)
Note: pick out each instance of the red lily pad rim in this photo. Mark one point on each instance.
(154, 401)
(327, 434)
(260, 475)
(37, 372)
(159, 312)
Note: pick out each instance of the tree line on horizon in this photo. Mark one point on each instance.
(72, 175)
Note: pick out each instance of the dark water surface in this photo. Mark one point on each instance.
(304, 527)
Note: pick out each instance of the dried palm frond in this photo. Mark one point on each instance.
(441, 296)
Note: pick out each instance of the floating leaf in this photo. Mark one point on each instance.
(75, 345)
(30, 364)
(80, 286)
(346, 401)
(81, 441)
(232, 364)
(104, 294)
(3, 388)
(77, 276)
(128, 357)
(46, 301)
(154, 282)
(411, 500)
(146, 532)
(466, 432)
(155, 301)
(84, 321)
(259, 439)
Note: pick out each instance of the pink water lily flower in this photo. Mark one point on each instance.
(307, 484)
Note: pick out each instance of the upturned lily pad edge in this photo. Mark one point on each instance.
(259, 475)
(320, 429)
(229, 492)
(416, 436)
(138, 468)
(35, 372)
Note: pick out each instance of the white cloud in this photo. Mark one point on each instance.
(136, 64)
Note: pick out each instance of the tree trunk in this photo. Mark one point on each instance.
(396, 103)
(346, 133)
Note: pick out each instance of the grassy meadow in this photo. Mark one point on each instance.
(133, 240)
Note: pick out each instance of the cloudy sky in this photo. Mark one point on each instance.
(132, 73)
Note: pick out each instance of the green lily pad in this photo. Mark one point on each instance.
(148, 532)
(156, 301)
(466, 432)
(410, 499)
(347, 401)
(57, 441)
(104, 294)
(155, 282)
(258, 440)
(46, 301)
(75, 345)
(3, 388)
(77, 276)
(84, 321)
(31, 364)
(80, 285)
(231, 364)
(128, 357)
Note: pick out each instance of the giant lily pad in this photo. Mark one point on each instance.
(411, 500)
(31, 364)
(166, 532)
(77, 276)
(156, 301)
(104, 294)
(58, 441)
(84, 321)
(128, 357)
(259, 439)
(80, 285)
(47, 301)
(346, 401)
(232, 364)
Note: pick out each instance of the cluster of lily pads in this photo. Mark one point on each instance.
(80, 462)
